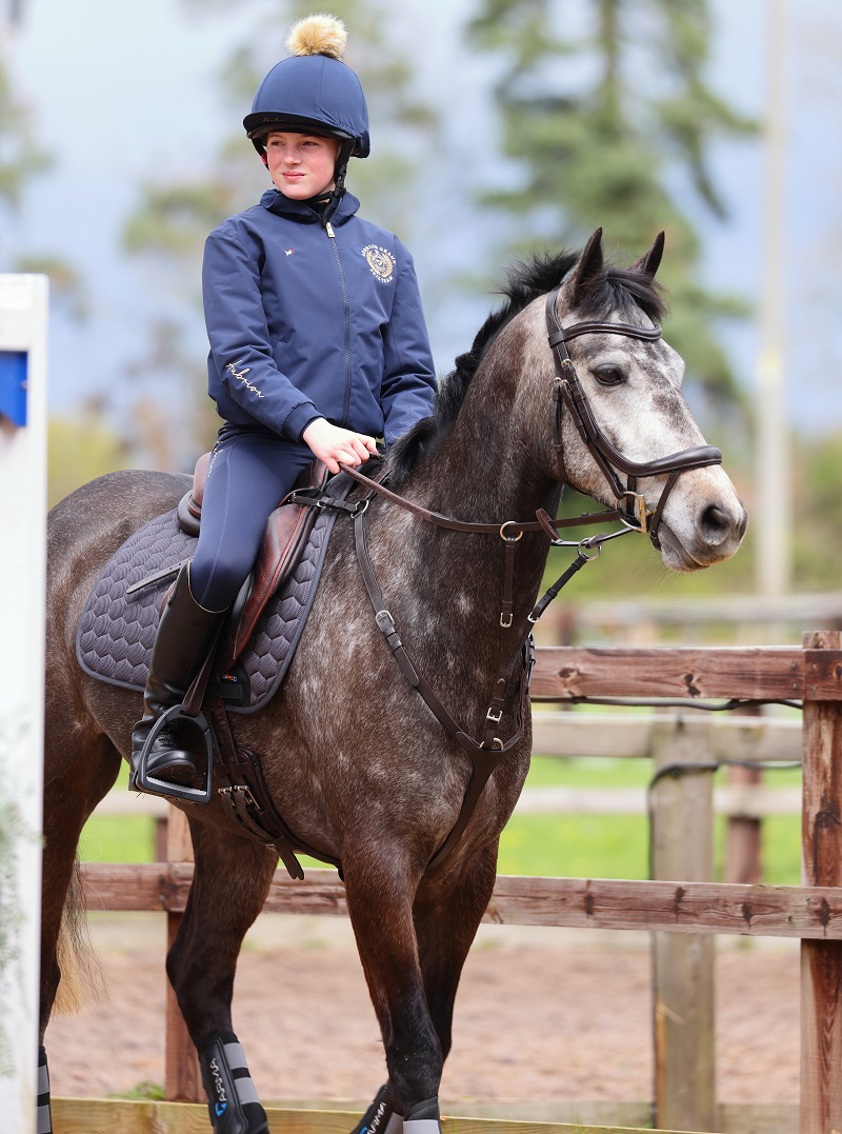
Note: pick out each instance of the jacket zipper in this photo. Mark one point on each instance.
(346, 318)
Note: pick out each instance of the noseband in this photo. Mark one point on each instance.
(567, 390)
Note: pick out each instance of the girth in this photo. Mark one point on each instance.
(250, 802)
(238, 771)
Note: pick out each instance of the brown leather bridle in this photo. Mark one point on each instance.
(488, 751)
(567, 390)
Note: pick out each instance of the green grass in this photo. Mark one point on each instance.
(617, 846)
(573, 846)
(144, 1091)
(118, 838)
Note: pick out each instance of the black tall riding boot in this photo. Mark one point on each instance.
(186, 632)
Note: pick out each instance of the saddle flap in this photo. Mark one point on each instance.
(116, 630)
(284, 539)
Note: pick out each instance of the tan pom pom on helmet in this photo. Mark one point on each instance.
(313, 90)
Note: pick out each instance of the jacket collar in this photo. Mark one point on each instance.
(276, 202)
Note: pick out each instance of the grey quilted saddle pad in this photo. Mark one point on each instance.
(117, 628)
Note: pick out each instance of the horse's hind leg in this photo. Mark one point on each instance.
(231, 881)
(75, 779)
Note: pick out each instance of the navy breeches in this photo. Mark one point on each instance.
(248, 476)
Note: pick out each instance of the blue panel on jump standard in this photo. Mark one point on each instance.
(13, 372)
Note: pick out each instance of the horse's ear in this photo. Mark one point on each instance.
(649, 263)
(589, 267)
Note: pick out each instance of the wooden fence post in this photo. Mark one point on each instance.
(743, 862)
(182, 1079)
(683, 964)
(821, 865)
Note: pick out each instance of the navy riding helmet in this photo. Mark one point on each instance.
(312, 91)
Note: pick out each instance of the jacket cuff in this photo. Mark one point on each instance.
(299, 419)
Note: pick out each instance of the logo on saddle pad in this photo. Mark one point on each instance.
(381, 262)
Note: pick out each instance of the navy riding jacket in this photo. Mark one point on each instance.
(309, 320)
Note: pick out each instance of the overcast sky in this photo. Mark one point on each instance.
(121, 91)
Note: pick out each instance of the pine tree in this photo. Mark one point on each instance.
(20, 157)
(606, 118)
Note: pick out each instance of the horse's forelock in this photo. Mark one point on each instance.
(614, 290)
(622, 290)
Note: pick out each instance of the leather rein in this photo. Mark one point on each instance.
(485, 754)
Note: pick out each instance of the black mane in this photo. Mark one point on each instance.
(616, 289)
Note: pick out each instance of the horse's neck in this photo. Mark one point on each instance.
(479, 475)
(484, 470)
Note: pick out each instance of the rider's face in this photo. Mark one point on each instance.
(301, 165)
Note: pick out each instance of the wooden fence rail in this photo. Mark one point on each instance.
(688, 905)
(721, 738)
(807, 912)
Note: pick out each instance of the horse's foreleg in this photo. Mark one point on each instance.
(446, 915)
(448, 911)
(231, 881)
(379, 895)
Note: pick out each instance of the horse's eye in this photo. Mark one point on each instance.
(610, 376)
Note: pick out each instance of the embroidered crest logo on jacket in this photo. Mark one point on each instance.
(381, 262)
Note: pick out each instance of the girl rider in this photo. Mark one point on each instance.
(317, 346)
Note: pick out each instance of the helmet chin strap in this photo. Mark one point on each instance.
(346, 147)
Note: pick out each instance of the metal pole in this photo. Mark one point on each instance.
(773, 492)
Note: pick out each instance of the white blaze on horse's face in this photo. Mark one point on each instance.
(634, 390)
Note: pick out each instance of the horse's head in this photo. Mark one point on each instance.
(623, 432)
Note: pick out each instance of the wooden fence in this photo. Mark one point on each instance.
(744, 745)
(646, 620)
(688, 908)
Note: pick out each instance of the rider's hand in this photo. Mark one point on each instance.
(332, 444)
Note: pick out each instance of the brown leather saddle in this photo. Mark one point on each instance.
(284, 539)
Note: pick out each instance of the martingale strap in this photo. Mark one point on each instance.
(486, 754)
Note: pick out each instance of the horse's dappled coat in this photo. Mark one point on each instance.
(354, 760)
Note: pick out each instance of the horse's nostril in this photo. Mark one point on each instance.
(717, 524)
